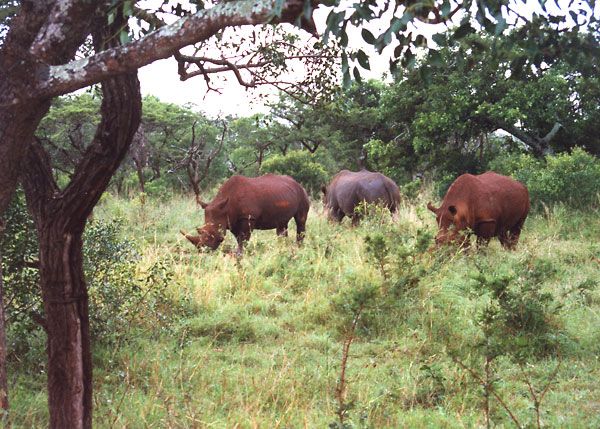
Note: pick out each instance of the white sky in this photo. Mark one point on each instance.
(161, 79)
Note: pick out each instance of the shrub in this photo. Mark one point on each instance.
(301, 165)
(569, 178)
(22, 299)
(520, 319)
(120, 294)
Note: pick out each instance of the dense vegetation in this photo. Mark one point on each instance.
(434, 122)
(358, 327)
(208, 339)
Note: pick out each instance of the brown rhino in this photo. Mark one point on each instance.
(348, 189)
(489, 204)
(246, 203)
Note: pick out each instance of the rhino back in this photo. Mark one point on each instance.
(348, 189)
(489, 195)
(270, 200)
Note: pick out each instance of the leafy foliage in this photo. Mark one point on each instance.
(121, 293)
(22, 298)
(569, 178)
(301, 166)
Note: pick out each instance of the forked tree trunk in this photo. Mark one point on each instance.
(60, 217)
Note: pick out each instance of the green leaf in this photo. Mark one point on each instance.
(363, 59)
(409, 59)
(406, 18)
(463, 30)
(333, 24)
(124, 37)
(356, 74)
(347, 79)
(420, 40)
(500, 25)
(363, 11)
(343, 38)
(396, 25)
(439, 39)
(445, 9)
(435, 58)
(425, 73)
(398, 50)
(345, 63)
(368, 36)
(127, 8)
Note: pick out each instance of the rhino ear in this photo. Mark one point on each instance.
(432, 208)
(221, 204)
(452, 210)
(203, 204)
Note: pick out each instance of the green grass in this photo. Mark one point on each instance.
(262, 344)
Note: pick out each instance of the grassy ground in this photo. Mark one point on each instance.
(261, 342)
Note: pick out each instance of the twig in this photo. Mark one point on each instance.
(537, 400)
(492, 390)
(340, 389)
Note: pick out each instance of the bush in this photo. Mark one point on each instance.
(301, 166)
(120, 294)
(23, 303)
(569, 178)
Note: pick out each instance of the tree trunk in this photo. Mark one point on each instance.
(3, 373)
(67, 322)
(21, 55)
(140, 174)
(17, 126)
(60, 217)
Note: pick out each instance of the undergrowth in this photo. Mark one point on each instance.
(358, 327)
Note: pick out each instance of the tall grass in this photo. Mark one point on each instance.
(263, 345)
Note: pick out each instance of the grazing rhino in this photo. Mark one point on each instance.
(247, 203)
(348, 189)
(489, 204)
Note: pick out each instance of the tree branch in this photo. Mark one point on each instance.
(159, 44)
(67, 26)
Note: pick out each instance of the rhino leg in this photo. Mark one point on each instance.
(242, 234)
(300, 219)
(282, 231)
(482, 241)
(512, 236)
(356, 219)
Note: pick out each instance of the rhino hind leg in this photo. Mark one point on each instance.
(300, 220)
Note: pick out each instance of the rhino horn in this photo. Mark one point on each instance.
(186, 235)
